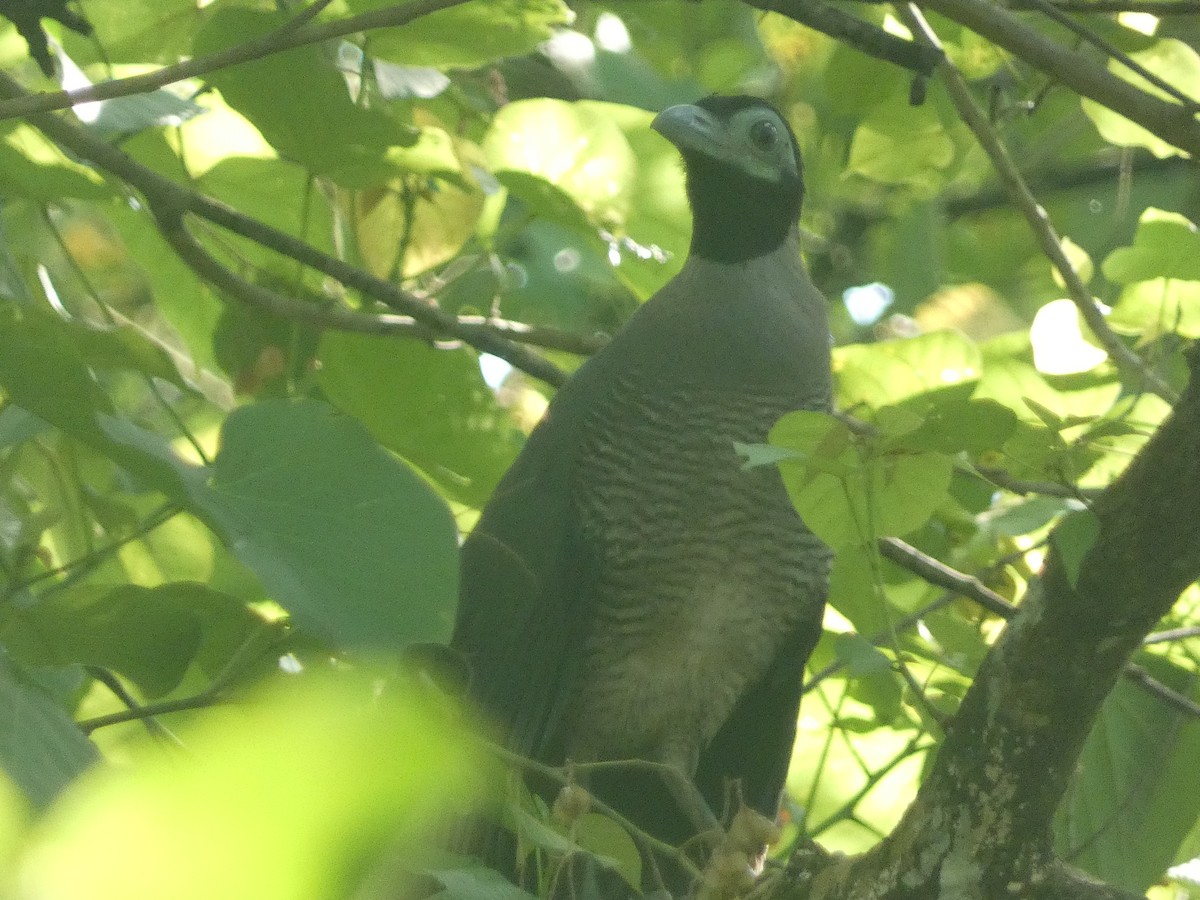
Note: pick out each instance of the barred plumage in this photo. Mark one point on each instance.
(631, 591)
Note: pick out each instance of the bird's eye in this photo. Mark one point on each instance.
(764, 134)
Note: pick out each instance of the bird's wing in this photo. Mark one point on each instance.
(524, 596)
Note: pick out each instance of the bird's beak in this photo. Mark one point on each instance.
(689, 127)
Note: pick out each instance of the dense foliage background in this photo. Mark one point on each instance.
(243, 410)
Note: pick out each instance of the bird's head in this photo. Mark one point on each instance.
(745, 179)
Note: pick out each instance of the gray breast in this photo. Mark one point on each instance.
(705, 570)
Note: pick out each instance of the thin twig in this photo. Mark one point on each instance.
(1003, 479)
(1108, 7)
(938, 573)
(1170, 121)
(1087, 34)
(1134, 367)
(1172, 634)
(236, 666)
(857, 33)
(562, 776)
(154, 727)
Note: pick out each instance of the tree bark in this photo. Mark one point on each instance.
(980, 826)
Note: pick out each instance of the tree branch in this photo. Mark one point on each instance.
(863, 36)
(980, 825)
(1170, 121)
(293, 33)
(1114, 52)
(1131, 365)
(1108, 7)
(170, 202)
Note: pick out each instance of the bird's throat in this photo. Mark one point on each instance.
(737, 217)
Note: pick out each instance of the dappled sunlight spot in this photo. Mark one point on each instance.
(867, 302)
(1059, 347)
(953, 376)
(611, 33)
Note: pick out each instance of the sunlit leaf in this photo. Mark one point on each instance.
(336, 772)
(575, 148)
(351, 139)
(1157, 307)
(469, 35)
(1173, 61)
(1059, 345)
(899, 144)
(33, 166)
(1166, 245)
(891, 371)
(950, 424)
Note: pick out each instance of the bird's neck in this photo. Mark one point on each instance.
(736, 218)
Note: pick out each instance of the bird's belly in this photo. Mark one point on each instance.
(704, 572)
(661, 677)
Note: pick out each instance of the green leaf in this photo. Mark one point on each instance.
(1157, 307)
(296, 797)
(901, 144)
(471, 881)
(341, 534)
(821, 441)
(852, 589)
(602, 836)
(41, 749)
(1010, 378)
(847, 497)
(32, 166)
(755, 455)
(1037, 453)
(860, 656)
(1025, 516)
(953, 424)
(908, 489)
(889, 372)
(298, 100)
(179, 296)
(1165, 245)
(351, 542)
(148, 635)
(467, 36)
(430, 226)
(896, 421)
(138, 31)
(431, 406)
(18, 425)
(860, 82)
(275, 192)
(658, 221)
(1173, 61)
(1135, 794)
(1073, 538)
(42, 370)
(576, 148)
(126, 347)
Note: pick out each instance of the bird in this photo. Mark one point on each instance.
(632, 591)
